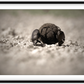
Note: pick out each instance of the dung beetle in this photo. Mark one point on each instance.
(48, 33)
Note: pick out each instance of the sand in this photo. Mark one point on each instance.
(18, 56)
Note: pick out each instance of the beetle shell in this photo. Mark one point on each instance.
(48, 33)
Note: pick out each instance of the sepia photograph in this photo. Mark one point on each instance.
(41, 42)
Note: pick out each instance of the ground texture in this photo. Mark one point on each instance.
(18, 56)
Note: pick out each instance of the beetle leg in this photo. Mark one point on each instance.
(34, 43)
(38, 41)
(60, 43)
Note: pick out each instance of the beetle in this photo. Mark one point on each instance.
(48, 33)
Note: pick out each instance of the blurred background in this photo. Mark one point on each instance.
(18, 56)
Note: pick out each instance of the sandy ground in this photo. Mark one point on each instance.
(18, 56)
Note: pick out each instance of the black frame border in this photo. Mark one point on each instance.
(41, 2)
(41, 81)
